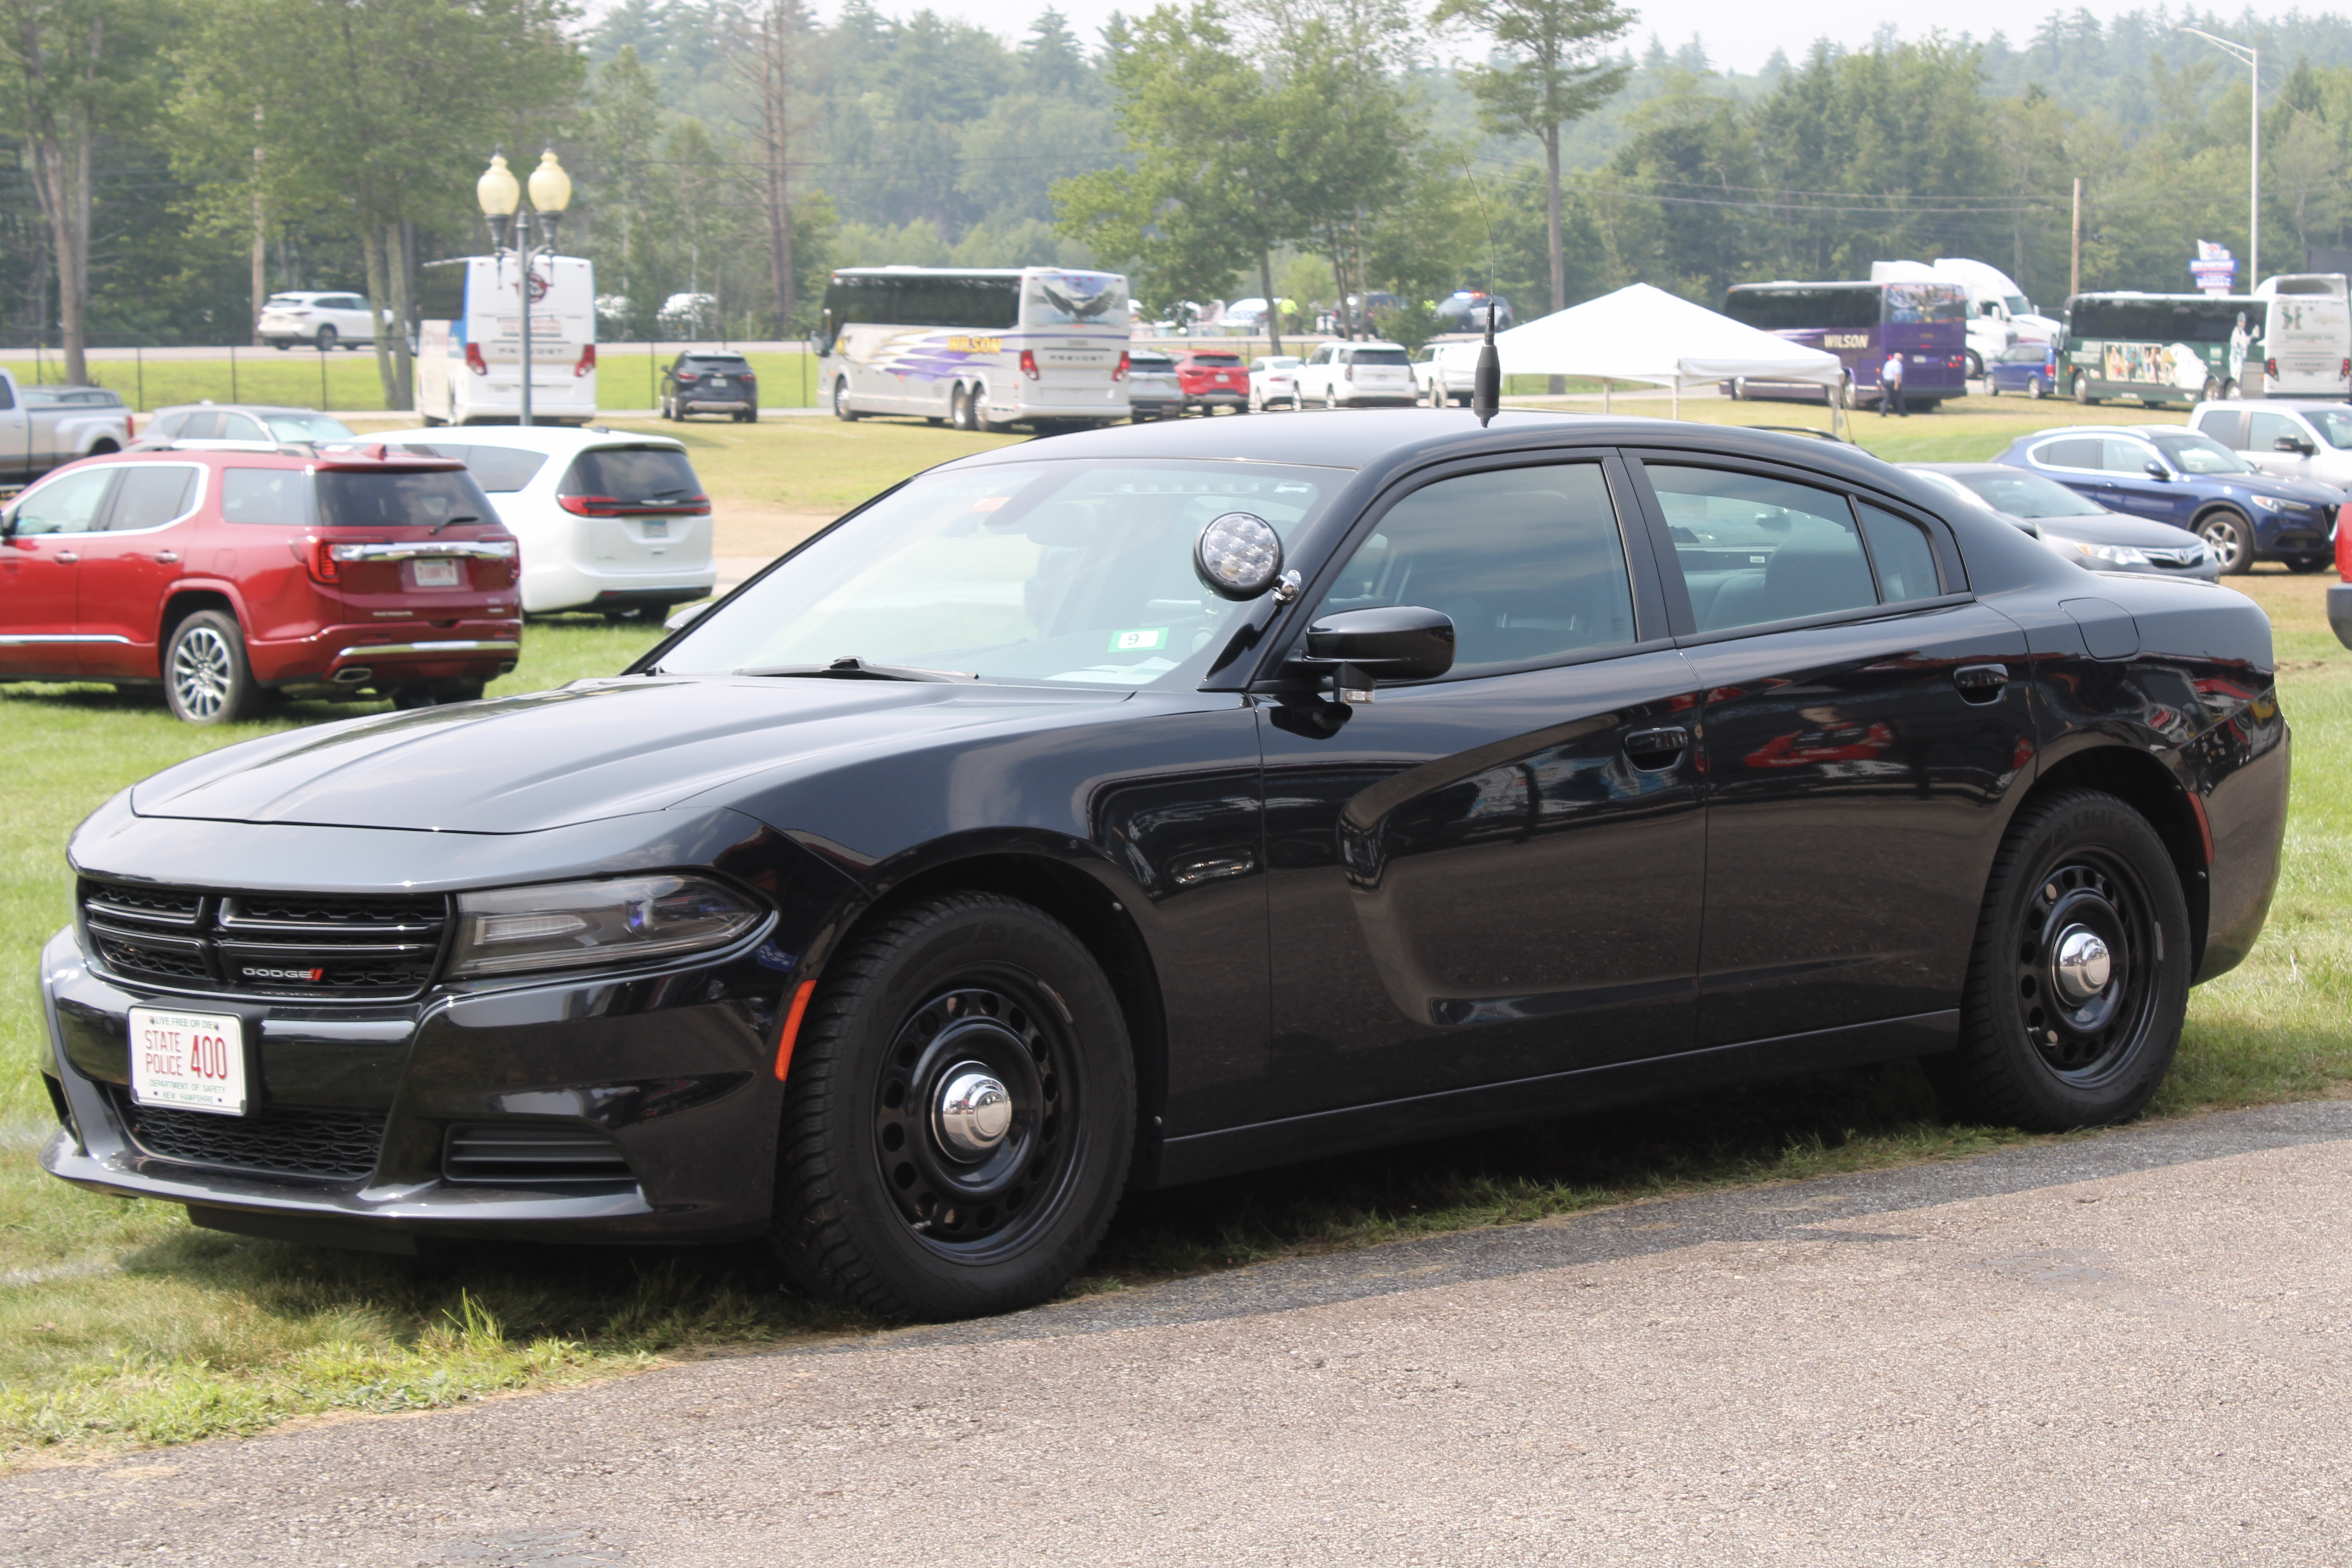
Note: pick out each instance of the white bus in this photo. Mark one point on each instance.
(469, 340)
(2306, 344)
(981, 349)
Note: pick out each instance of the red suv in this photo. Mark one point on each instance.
(224, 575)
(1213, 380)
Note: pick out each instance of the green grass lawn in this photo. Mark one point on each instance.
(120, 1325)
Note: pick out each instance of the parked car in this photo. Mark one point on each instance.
(1464, 310)
(222, 577)
(1212, 379)
(2288, 439)
(1153, 391)
(710, 381)
(43, 426)
(611, 524)
(1437, 379)
(2172, 474)
(1356, 375)
(2074, 525)
(2030, 368)
(322, 319)
(1273, 379)
(909, 926)
(239, 427)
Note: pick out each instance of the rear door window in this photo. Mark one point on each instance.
(153, 494)
(1755, 550)
(202, 425)
(2226, 425)
(2074, 452)
(633, 474)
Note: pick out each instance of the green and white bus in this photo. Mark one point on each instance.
(2158, 348)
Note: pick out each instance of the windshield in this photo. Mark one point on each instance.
(2335, 425)
(307, 428)
(2027, 495)
(2201, 455)
(1072, 571)
(2019, 305)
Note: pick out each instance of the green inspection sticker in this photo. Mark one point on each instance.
(1138, 641)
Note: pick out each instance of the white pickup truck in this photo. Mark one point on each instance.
(43, 427)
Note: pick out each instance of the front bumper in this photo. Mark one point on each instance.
(2339, 611)
(672, 1071)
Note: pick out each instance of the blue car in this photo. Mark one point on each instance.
(2169, 473)
(2030, 370)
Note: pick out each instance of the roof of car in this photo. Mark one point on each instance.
(1957, 469)
(2300, 405)
(235, 408)
(550, 438)
(2111, 430)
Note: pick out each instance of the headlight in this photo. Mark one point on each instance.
(2120, 554)
(2271, 503)
(619, 920)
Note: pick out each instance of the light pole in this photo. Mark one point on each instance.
(501, 195)
(2253, 60)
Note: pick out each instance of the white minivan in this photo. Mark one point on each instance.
(469, 339)
(2307, 341)
(609, 523)
(1355, 375)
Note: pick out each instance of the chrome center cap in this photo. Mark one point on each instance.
(975, 1113)
(2083, 965)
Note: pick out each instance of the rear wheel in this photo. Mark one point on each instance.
(1331, 399)
(2079, 980)
(959, 1114)
(206, 679)
(840, 408)
(2035, 387)
(2230, 538)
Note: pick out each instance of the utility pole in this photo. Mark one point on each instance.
(260, 233)
(2253, 61)
(2074, 277)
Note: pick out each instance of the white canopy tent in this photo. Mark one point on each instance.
(1647, 335)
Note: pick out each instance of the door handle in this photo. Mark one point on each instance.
(1980, 682)
(67, 557)
(1654, 749)
(167, 557)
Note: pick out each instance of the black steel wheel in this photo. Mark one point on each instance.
(2079, 979)
(959, 1114)
(2230, 537)
(206, 679)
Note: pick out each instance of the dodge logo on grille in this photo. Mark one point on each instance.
(314, 975)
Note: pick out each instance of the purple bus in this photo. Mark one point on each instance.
(1861, 323)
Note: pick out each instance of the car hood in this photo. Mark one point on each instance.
(2304, 490)
(2116, 528)
(602, 749)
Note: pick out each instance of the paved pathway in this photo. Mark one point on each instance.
(2131, 1349)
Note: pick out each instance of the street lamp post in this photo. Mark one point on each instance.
(2253, 61)
(501, 195)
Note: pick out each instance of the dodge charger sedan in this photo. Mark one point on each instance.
(1155, 803)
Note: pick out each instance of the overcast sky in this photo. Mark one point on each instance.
(1738, 35)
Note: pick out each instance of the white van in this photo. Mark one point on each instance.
(2306, 342)
(469, 340)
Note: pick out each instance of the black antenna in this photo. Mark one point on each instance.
(1487, 385)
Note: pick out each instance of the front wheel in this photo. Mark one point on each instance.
(959, 1113)
(2079, 980)
(840, 408)
(2232, 540)
(326, 339)
(2210, 391)
(1992, 389)
(206, 679)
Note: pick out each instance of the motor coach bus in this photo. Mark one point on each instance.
(1861, 323)
(2158, 348)
(2306, 342)
(978, 348)
(469, 340)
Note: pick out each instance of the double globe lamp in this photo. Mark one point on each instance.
(501, 194)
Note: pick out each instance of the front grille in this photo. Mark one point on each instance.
(268, 945)
(283, 1140)
(524, 1154)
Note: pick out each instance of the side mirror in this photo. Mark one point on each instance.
(1389, 642)
(2296, 444)
(2157, 471)
(681, 619)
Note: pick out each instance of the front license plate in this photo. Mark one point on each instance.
(656, 530)
(440, 574)
(189, 1061)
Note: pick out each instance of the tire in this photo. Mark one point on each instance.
(2210, 391)
(281, 345)
(326, 339)
(1331, 400)
(2036, 388)
(875, 1208)
(2230, 391)
(206, 679)
(2082, 389)
(1975, 366)
(661, 410)
(840, 408)
(2230, 536)
(2078, 864)
(959, 409)
(1738, 389)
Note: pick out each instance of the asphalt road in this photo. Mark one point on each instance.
(2129, 1349)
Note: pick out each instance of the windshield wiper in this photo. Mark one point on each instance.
(461, 517)
(858, 670)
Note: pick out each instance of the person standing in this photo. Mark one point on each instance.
(1890, 386)
(2241, 340)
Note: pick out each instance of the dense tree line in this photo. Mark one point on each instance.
(173, 156)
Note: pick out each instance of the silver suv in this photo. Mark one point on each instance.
(2291, 438)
